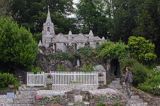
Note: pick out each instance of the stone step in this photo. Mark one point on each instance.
(115, 86)
(31, 100)
(21, 105)
(135, 100)
(139, 104)
(135, 97)
(115, 82)
(117, 79)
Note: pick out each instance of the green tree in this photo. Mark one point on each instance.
(3, 7)
(111, 50)
(94, 15)
(32, 14)
(148, 21)
(17, 46)
(87, 55)
(124, 13)
(141, 49)
(136, 17)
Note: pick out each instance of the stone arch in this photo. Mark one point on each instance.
(115, 67)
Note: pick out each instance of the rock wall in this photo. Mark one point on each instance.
(152, 100)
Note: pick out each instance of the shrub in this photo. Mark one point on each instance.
(8, 79)
(87, 68)
(141, 49)
(112, 50)
(140, 72)
(87, 54)
(60, 67)
(100, 104)
(150, 57)
(127, 62)
(61, 56)
(36, 69)
(117, 104)
(152, 85)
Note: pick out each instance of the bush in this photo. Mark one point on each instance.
(87, 54)
(117, 104)
(111, 50)
(17, 45)
(152, 85)
(127, 62)
(8, 79)
(140, 72)
(87, 68)
(36, 69)
(60, 67)
(61, 56)
(100, 104)
(141, 49)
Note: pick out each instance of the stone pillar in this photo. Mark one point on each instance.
(78, 98)
(108, 65)
(78, 62)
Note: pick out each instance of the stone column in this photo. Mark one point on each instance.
(108, 65)
(78, 62)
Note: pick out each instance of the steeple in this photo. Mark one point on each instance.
(48, 31)
(48, 16)
(48, 26)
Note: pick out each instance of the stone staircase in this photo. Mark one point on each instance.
(24, 97)
(134, 100)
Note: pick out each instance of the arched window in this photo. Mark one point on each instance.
(97, 43)
(75, 46)
(87, 44)
(48, 29)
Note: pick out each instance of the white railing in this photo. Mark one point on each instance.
(37, 79)
(74, 80)
(65, 80)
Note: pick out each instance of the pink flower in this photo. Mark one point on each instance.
(38, 97)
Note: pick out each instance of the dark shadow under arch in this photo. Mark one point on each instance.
(115, 67)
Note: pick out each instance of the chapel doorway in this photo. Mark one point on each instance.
(115, 67)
